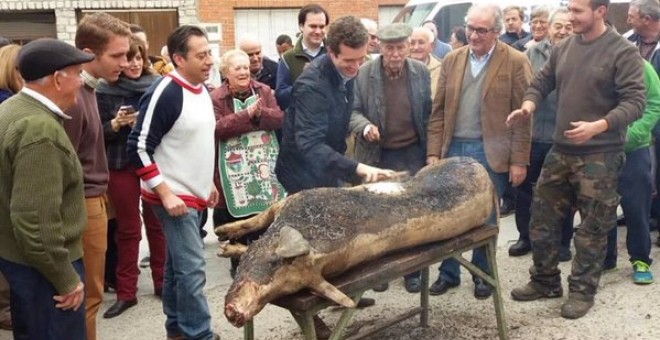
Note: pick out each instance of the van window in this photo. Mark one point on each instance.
(414, 15)
(450, 16)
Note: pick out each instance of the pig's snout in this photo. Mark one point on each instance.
(234, 316)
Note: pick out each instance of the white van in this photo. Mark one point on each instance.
(448, 14)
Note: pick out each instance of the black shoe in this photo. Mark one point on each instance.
(507, 208)
(482, 289)
(621, 220)
(381, 287)
(565, 254)
(520, 248)
(365, 302)
(118, 308)
(322, 330)
(657, 242)
(158, 291)
(413, 284)
(441, 286)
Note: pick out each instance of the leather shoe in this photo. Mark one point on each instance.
(365, 302)
(481, 289)
(441, 286)
(158, 291)
(118, 308)
(321, 328)
(381, 287)
(6, 324)
(507, 208)
(413, 284)
(520, 248)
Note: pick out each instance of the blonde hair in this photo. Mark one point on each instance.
(10, 79)
(228, 56)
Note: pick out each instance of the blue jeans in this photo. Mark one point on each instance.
(449, 269)
(525, 193)
(635, 189)
(184, 302)
(33, 311)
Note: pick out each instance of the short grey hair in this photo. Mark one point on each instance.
(647, 7)
(247, 39)
(429, 34)
(541, 11)
(369, 24)
(558, 11)
(494, 10)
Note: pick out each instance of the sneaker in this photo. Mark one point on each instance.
(575, 308)
(609, 268)
(642, 274)
(144, 263)
(531, 292)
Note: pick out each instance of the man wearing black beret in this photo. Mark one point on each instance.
(42, 207)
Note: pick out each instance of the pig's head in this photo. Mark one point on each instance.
(276, 265)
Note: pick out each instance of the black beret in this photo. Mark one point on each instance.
(42, 57)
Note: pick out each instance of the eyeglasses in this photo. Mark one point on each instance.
(481, 31)
(539, 22)
(254, 54)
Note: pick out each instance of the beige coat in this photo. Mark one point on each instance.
(508, 75)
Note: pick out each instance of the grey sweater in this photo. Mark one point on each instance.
(599, 79)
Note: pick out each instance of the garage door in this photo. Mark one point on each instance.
(21, 27)
(266, 25)
(157, 23)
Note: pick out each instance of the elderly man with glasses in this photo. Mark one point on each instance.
(478, 86)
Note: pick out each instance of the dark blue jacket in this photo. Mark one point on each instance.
(268, 73)
(315, 130)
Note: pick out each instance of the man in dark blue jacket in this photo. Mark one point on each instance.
(316, 123)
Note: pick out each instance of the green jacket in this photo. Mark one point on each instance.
(639, 132)
(42, 204)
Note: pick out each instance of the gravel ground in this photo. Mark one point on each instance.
(622, 310)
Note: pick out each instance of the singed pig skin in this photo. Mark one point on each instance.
(345, 227)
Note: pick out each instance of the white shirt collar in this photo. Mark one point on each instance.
(44, 100)
(309, 51)
(485, 57)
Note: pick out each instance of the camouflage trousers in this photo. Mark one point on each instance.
(588, 182)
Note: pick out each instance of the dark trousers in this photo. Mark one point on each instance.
(124, 193)
(111, 255)
(33, 312)
(526, 193)
(411, 159)
(635, 190)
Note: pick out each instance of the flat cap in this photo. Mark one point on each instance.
(394, 32)
(42, 57)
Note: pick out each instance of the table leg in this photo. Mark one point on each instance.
(345, 318)
(248, 330)
(497, 297)
(306, 323)
(424, 297)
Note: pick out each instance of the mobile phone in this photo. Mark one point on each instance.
(128, 109)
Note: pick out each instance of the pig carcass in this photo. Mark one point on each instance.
(321, 233)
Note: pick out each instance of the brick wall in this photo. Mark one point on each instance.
(65, 11)
(222, 11)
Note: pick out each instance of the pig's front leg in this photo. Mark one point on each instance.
(227, 249)
(261, 221)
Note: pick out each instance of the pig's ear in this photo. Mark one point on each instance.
(331, 292)
(291, 244)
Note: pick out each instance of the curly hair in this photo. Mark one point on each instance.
(346, 30)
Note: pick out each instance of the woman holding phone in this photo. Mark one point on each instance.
(117, 103)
